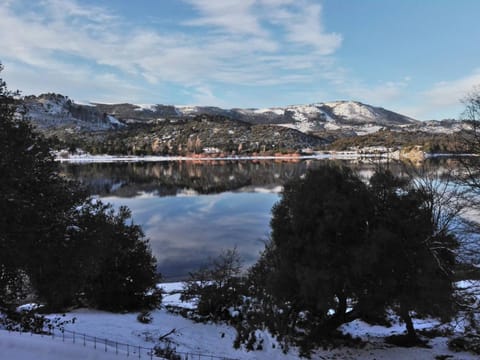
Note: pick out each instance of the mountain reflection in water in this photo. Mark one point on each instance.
(191, 211)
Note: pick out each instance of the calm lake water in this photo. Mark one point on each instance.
(190, 211)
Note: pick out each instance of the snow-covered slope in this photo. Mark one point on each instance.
(352, 117)
(356, 112)
(57, 111)
(107, 334)
(340, 116)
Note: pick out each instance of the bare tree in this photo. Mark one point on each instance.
(468, 227)
(469, 140)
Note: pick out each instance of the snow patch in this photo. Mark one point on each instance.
(114, 121)
(276, 111)
(147, 107)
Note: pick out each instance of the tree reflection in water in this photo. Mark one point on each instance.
(192, 210)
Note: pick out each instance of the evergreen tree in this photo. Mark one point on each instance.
(11, 273)
(44, 247)
(338, 241)
(121, 269)
(35, 201)
(414, 269)
(318, 229)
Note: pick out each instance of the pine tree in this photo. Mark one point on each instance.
(319, 229)
(338, 241)
(44, 247)
(34, 200)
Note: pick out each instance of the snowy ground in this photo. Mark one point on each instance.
(191, 337)
(25, 347)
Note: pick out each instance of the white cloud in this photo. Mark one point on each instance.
(60, 9)
(448, 93)
(235, 45)
(67, 79)
(204, 95)
(231, 15)
(377, 94)
(304, 26)
(301, 21)
(444, 99)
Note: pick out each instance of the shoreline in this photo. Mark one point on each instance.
(347, 155)
(326, 155)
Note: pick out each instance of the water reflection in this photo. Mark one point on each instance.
(186, 231)
(174, 178)
(191, 211)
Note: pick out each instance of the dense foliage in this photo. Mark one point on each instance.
(430, 142)
(341, 249)
(338, 243)
(56, 244)
(202, 134)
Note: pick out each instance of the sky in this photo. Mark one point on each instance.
(418, 58)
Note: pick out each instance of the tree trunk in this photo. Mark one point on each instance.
(341, 316)
(404, 314)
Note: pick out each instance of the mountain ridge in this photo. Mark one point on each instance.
(55, 111)
(142, 129)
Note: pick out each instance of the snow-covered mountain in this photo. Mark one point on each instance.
(56, 111)
(340, 115)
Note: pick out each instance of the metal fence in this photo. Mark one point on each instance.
(124, 349)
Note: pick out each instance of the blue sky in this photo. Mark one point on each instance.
(419, 58)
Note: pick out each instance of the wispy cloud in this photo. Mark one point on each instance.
(448, 93)
(380, 93)
(233, 16)
(445, 97)
(236, 45)
(304, 26)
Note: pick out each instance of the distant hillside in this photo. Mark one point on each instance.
(201, 134)
(54, 111)
(168, 129)
(58, 111)
(305, 118)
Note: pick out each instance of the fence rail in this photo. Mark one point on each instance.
(122, 349)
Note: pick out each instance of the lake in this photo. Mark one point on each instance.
(191, 211)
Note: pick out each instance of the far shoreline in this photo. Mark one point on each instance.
(333, 155)
(324, 155)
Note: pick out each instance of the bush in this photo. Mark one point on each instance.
(166, 352)
(467, 342)
(217, 288)
(145, 317)
(33, 322)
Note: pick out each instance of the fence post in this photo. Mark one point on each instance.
(128, 351)
(105, 345)
(116, 348)
(63, 335)
(139, 350)
(94, 342)
(84, 342)
(74, 337)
